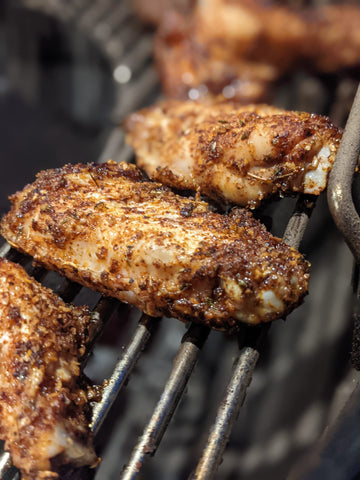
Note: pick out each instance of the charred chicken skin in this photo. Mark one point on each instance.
(239, 48)
(42, 404)
(233, 154)
(110, 229)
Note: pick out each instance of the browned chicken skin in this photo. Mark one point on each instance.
(110, 229)
(239, 48)
(233, 154)
(42, 404)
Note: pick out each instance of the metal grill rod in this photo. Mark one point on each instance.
(122, 371)
(183, 366)
(227, 413)
(340, 199)
(246, 363)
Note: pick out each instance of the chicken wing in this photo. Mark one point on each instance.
(108, 228)
(239, 48)
(233, 154)
(191, 67)
(42, 404)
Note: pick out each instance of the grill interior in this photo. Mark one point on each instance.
(290, 401)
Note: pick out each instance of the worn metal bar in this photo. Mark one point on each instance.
(183, 366)
(99, 316)
(95, 13)
(226, 415)
(340, 197)
(5, 463)
(4, 250)
(251, 338)
(122, 370)
(297, 224)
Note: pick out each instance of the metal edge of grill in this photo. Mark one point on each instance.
(250, 339)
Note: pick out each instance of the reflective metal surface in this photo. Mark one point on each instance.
(340, 198)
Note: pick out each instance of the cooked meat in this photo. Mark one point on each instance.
(188, 67)
(110, 229)
(42, 404)
(333, 38)
(233, 154)
(240, 48)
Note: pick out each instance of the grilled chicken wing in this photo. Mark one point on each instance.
(189, 67)
(333, 41)
(234, 154)
(42, 405)
(110, 229)
(239, 48)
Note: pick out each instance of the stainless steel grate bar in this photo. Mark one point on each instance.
(4, 250)
(298, 222)
(183, 366)
(5, 463)
(122, 371)
(240, 380)
(226, 415)
(96, 13)
(340, 199)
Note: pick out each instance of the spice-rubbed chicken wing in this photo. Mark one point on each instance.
(241, 47)
(41, 403)
(192, 67)
(110, 229)
(234, 154)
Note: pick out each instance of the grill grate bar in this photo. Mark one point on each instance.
(95, 13)
(340, 198)
(297, 224)
(5, 463)
(183, 366)
(141, 89)
(99, 317)
(122, 370)
(227, 414)
(116, 149)
(246, 362)
(5, 250)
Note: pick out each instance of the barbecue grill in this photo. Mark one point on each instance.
(126, 44)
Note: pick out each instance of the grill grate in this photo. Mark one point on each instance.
(104, 21)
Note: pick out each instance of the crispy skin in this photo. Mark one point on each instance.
(110, 229)
(240, 48)
(233, 154)
(189, 68)
(42, 405)
(333, 41)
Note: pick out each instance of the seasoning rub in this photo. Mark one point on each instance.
(110, 229)
(43, 406)
(233, 154)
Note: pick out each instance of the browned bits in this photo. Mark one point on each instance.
(262, 151)
(163, 253)
(41, 341)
